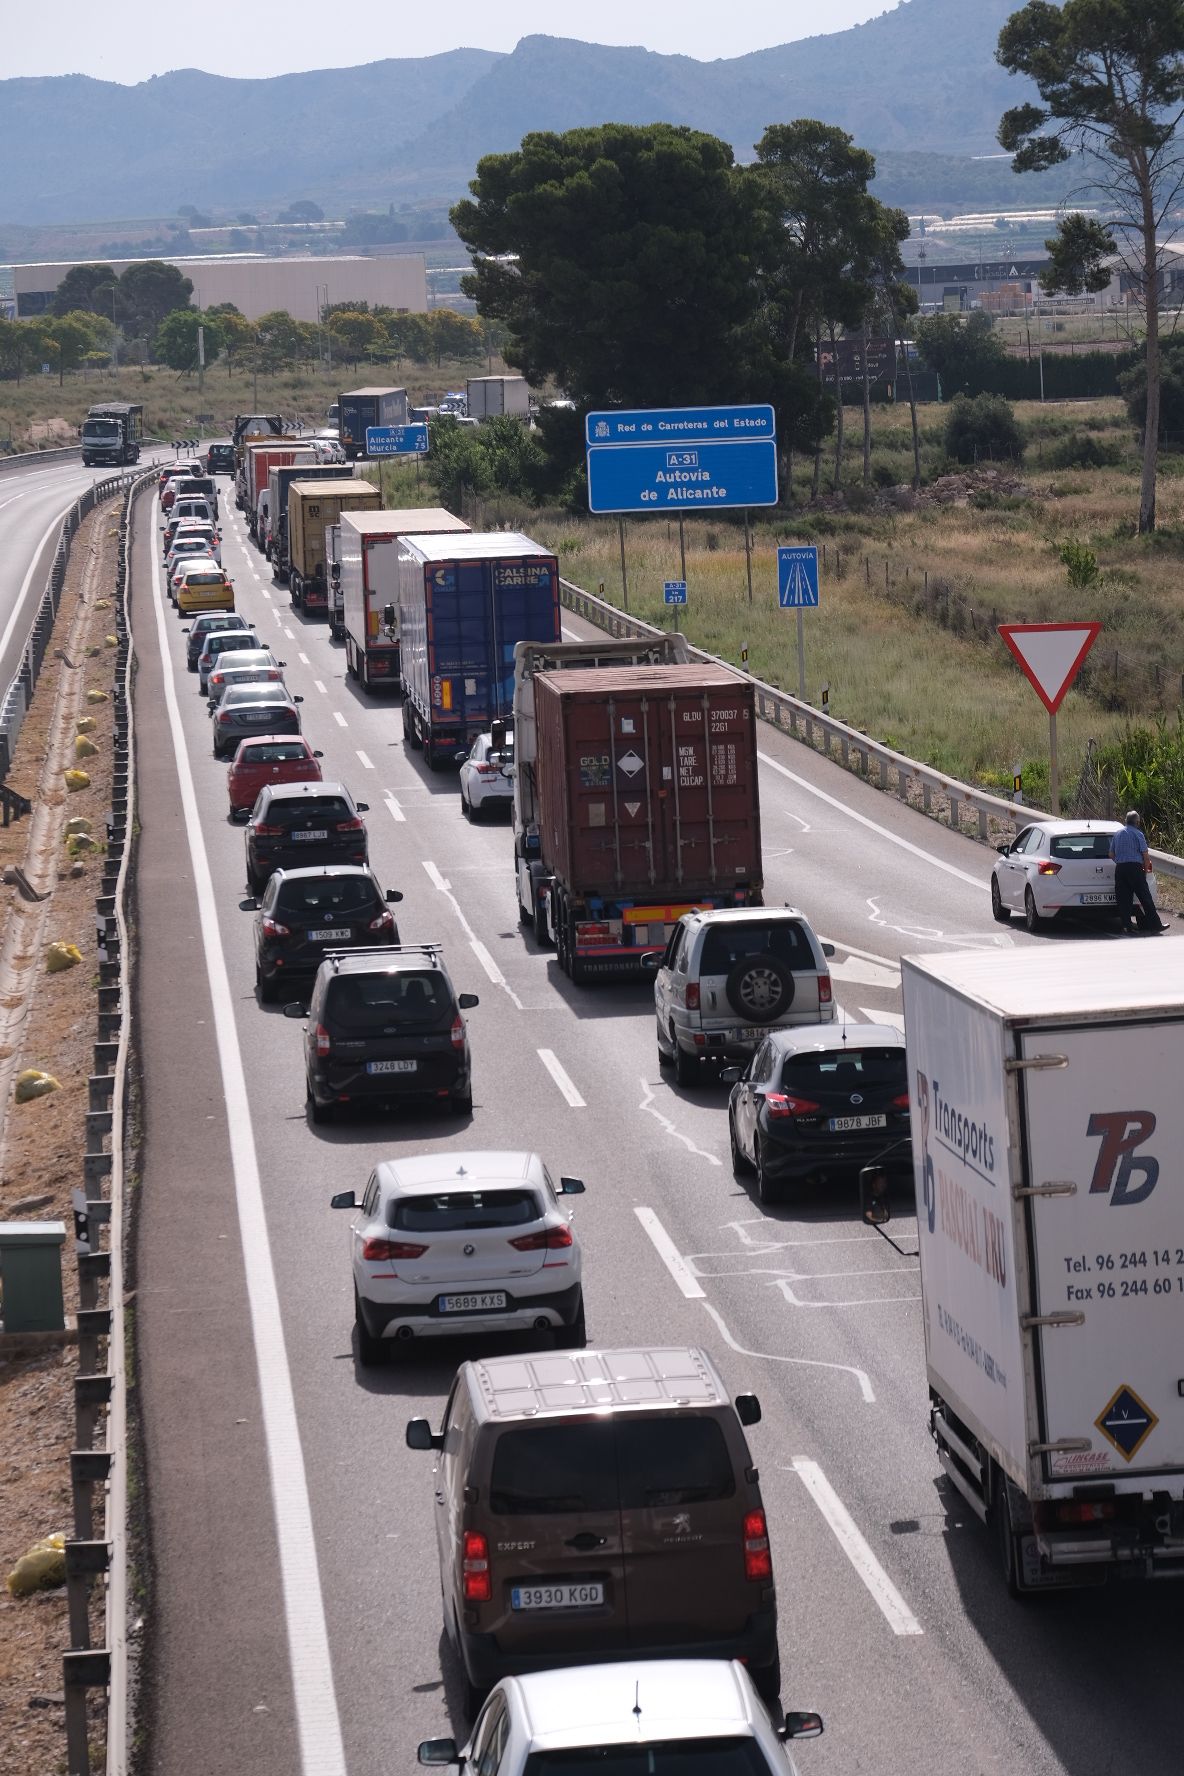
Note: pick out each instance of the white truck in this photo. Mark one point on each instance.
(1047, 1125)
(489, 397)
(364, 607)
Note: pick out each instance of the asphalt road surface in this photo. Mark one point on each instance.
(296, 1592)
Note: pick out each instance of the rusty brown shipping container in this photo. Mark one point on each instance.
(647, 781)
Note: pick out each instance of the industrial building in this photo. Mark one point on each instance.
(257, 285)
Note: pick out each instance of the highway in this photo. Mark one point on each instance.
(295, 1607)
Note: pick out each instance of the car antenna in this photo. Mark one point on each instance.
(637, 1697)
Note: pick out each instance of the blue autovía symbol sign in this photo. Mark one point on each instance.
(797, 577)
(404, 440)
(674, 591)
(1127, 1422)
(667, 457)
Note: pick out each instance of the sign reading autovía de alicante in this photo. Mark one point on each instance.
(662, 459)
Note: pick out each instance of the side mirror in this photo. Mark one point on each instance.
(497, 735)
(420, 1435)
(730, 1075)
(249, 905)
(345, 1199)
(241, 815)
(1004, 850)
(318, 754)
(281, 662)
(461, 757)
(296, 1010)
(828, 949)
(571, 1187)
(797, 1725)
(438, 1751)
(362, 807)
(185, 632)
(652, 960)
(874, 1204)
(748, 1409)
(394, 894)
(467, 1001)
(298, 699)
(388, 615)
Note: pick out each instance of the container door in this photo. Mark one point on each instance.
(460, 643)
(1112, 1251)
(525, 608)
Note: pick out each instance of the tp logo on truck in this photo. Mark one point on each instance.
(1119, 1161)
(927, 1174)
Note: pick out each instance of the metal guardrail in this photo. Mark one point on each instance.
(30, 459)
(891, 771)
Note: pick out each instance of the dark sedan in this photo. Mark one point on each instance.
(303, 826)
(254, 709)
(304, 912)
(816, 1102)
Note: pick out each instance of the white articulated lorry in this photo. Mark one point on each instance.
(1048, 1134)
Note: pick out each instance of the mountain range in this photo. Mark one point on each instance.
(920, 78)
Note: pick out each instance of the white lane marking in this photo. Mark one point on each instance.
(949, 869)
(786, 1289)
(320, 687)
(865, 1386)
(842, 1015)
(958, 940)
(569, 634)
(289, 633)
(339, 718)
(859, 972)
(12, 498)
(304, 659)
(868, 955)
(396, 812)
(317, 1718)
(895, 1019)
(886, 1597)
(277, 616)
(54, 524)
(367, 761)
(267, 594)
(560, 1076)
(670, 1255)
(478, 948)
(648, 1105)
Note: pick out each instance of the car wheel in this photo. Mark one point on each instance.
(741, 1164)
(265, 988)
(474, 1697)
(760, 989)
(464, 806)
(686, 1066)
(371, 1350)
(575, 1336)
(1032, 918)
(664, 1060)
(1005, 1537)
(998, 911)
(766, 1190)
(318, 1113)
(461, 1103)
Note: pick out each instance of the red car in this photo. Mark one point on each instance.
(269, 758)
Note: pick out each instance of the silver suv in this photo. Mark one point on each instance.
(728, 976)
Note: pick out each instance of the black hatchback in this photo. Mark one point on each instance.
(304, 912)
(300, 825)
(220, 459)
(385, 1026)
(819, 1102)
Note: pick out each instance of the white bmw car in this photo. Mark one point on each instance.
(449, 1243)
(1054, 867)
(486, 776)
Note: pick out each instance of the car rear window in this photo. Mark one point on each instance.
(304, 810)
(464, 1211)
(280, 753)
(370, 1001)
(727, 944)
(265, 691)
(636, 1463)
(673, 1461)
(1073, 847)
(852, 1066)
(204, 579)
(672, 1757)
(232, 642)
(339, 894)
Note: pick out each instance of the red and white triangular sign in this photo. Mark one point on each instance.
(1050, 654)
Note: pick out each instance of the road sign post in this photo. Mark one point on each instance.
(1051, 656)
(797, 589)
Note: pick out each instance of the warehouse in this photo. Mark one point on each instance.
(257, 285)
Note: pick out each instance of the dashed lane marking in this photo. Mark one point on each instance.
(854, 1544)
(670, 1255)
(561, 1078)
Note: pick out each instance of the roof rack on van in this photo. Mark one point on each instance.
(422, 949)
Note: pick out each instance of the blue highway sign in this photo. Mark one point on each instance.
(797, 578)
(680, 425)
(674, 591)
(404, 440)
(681, 477)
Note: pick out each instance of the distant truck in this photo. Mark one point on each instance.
(111, 433)
(359, 408)
(1045, 1108)
(279, 482)
(312, 505)
(464, 604)
(635, 797)
(250, 427)
(489, 397)
(258, 460)
(365, 606)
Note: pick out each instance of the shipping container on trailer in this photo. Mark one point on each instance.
(367, 610)
(1046, 1128)
(465, 602)
(311, 506)
(279, 483)
(361, 408)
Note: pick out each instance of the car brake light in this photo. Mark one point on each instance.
(354, 825)
(782, 1104)
(478, 1584)
(824, 989)
(272, 928)
(226, 715)
(458, 1032)
(901, 1102)
(551, 1239)
(265, 830)
(758, 1561)
(381, 1251)
(692, 995)
(1049, 869)
(486, 770)
(322, 1036)
(383, 922)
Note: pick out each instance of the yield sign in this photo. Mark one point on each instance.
(1050, 654)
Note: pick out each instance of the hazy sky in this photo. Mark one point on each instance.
(128, 40)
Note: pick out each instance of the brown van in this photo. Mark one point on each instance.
(600, 1505)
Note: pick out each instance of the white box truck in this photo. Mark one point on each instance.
(489, 397)
(1047, 1128)
(368, 551)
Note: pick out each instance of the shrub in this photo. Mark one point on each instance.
(983, 429)
(1081, 451)
(1081, 564)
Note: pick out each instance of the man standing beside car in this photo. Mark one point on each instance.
(1132, 863)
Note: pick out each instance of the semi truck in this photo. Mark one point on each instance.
(258, 460)
(249, 428)
(1045, 1088)
(312, 505)
(279, 483)
(489, 397)
(111, 433)
(367, 596)
(359, 408)
(635, 797)
(464, 604)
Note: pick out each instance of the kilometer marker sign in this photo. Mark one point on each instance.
(1050, 654)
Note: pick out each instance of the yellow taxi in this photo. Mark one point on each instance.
(204, 587)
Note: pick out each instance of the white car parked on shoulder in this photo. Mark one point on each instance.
(1054, 867)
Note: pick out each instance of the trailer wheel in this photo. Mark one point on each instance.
(1006, 1540)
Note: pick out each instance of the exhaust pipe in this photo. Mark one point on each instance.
(404, 1332)
(542, 1324)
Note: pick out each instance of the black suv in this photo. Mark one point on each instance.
(299, 825)
(220, 459)
(384, 1026)
(304, 912)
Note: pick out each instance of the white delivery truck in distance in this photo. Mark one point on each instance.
(1047, 1128)
(368, 548)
